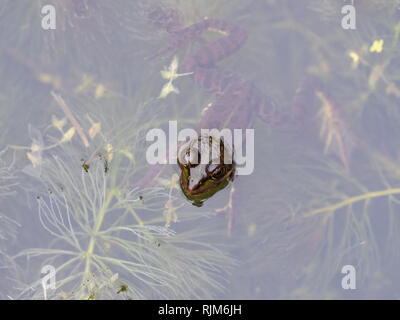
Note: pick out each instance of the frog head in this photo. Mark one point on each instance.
(207, 166)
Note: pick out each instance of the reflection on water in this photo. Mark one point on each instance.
(76, 104)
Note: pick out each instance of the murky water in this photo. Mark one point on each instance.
(316, 219)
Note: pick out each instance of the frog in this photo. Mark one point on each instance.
(200, 180)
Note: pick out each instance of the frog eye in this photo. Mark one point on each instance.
(218, 173)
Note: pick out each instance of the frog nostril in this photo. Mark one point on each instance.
(192, 184)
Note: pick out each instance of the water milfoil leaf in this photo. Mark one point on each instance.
(334, 132)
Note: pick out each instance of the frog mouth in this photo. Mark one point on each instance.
(199, 194)
(192, 188)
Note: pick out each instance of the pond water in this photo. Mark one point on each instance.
(86, 214)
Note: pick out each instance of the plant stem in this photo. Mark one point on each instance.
(96, 230)
(365, 196)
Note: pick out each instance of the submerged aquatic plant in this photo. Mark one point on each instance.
(97, 229)
(312, 212)
(8, 183)
(8, 222)
(82, 29)
(7, 177)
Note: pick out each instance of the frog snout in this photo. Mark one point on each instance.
(193, 184)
